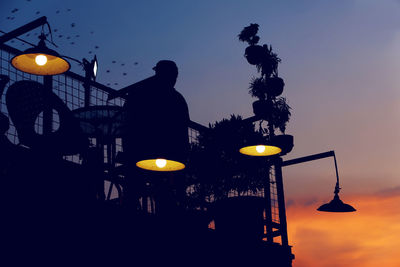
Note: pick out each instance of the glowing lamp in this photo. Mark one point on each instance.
(260, 150)
(161, 165)
(40, 60)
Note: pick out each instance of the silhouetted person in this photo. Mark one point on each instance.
(157, 121)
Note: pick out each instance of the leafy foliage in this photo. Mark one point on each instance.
(280, 113)
(249, 34)
(258, 88)
(219, 167)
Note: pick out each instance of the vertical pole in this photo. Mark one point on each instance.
(86, 85)
(281, 202)
(48, 112)
(268, 210)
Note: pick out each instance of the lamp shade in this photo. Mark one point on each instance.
(40, 60)
(280, 144)
(336, 205)
(260, 150)
(162, 165)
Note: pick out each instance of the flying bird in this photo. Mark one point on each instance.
(135, 63)
(113, 61)
(72, 25)
(37, 12)
(108, 71)
(58, 11)
(96, 47)
(124, 73)
(14, 10)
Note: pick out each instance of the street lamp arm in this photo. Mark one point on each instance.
(315, 157)
(337, 188)
(310, 158)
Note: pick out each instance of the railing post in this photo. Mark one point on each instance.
(48, 111)
(268, 210)
(281, 202)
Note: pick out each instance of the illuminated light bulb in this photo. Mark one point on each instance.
(161, 163)
(95, 69)
(260, 149)
(41, 60)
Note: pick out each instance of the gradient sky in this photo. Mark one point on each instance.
(340, 63)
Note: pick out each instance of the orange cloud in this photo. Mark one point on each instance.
(365, 238)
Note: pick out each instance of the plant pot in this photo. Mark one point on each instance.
(240, 218)
(275, 86)
(254, 54)
(284, 142)
(262, 108)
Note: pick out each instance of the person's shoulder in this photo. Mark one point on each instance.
(179, 95)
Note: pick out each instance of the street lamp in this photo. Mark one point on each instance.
(336, 205)
(40, 60)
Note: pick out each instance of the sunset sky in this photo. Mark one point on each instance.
(340, 63)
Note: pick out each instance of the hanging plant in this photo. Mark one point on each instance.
(274, 86)
(258, 88)
(249, 34)
(253, 52)
(280, 115)
(268, 64)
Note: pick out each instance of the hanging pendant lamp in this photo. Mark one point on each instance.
(280, 144)
(40, 60)
(162, 165)
(260, 150)
(336, 205)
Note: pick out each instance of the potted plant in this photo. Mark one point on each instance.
(253, 52)
(267, 87)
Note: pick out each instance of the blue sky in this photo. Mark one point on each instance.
(340, 62)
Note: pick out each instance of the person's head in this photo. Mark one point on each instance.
(167, 72)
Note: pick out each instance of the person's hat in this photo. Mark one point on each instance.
(166, 65)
